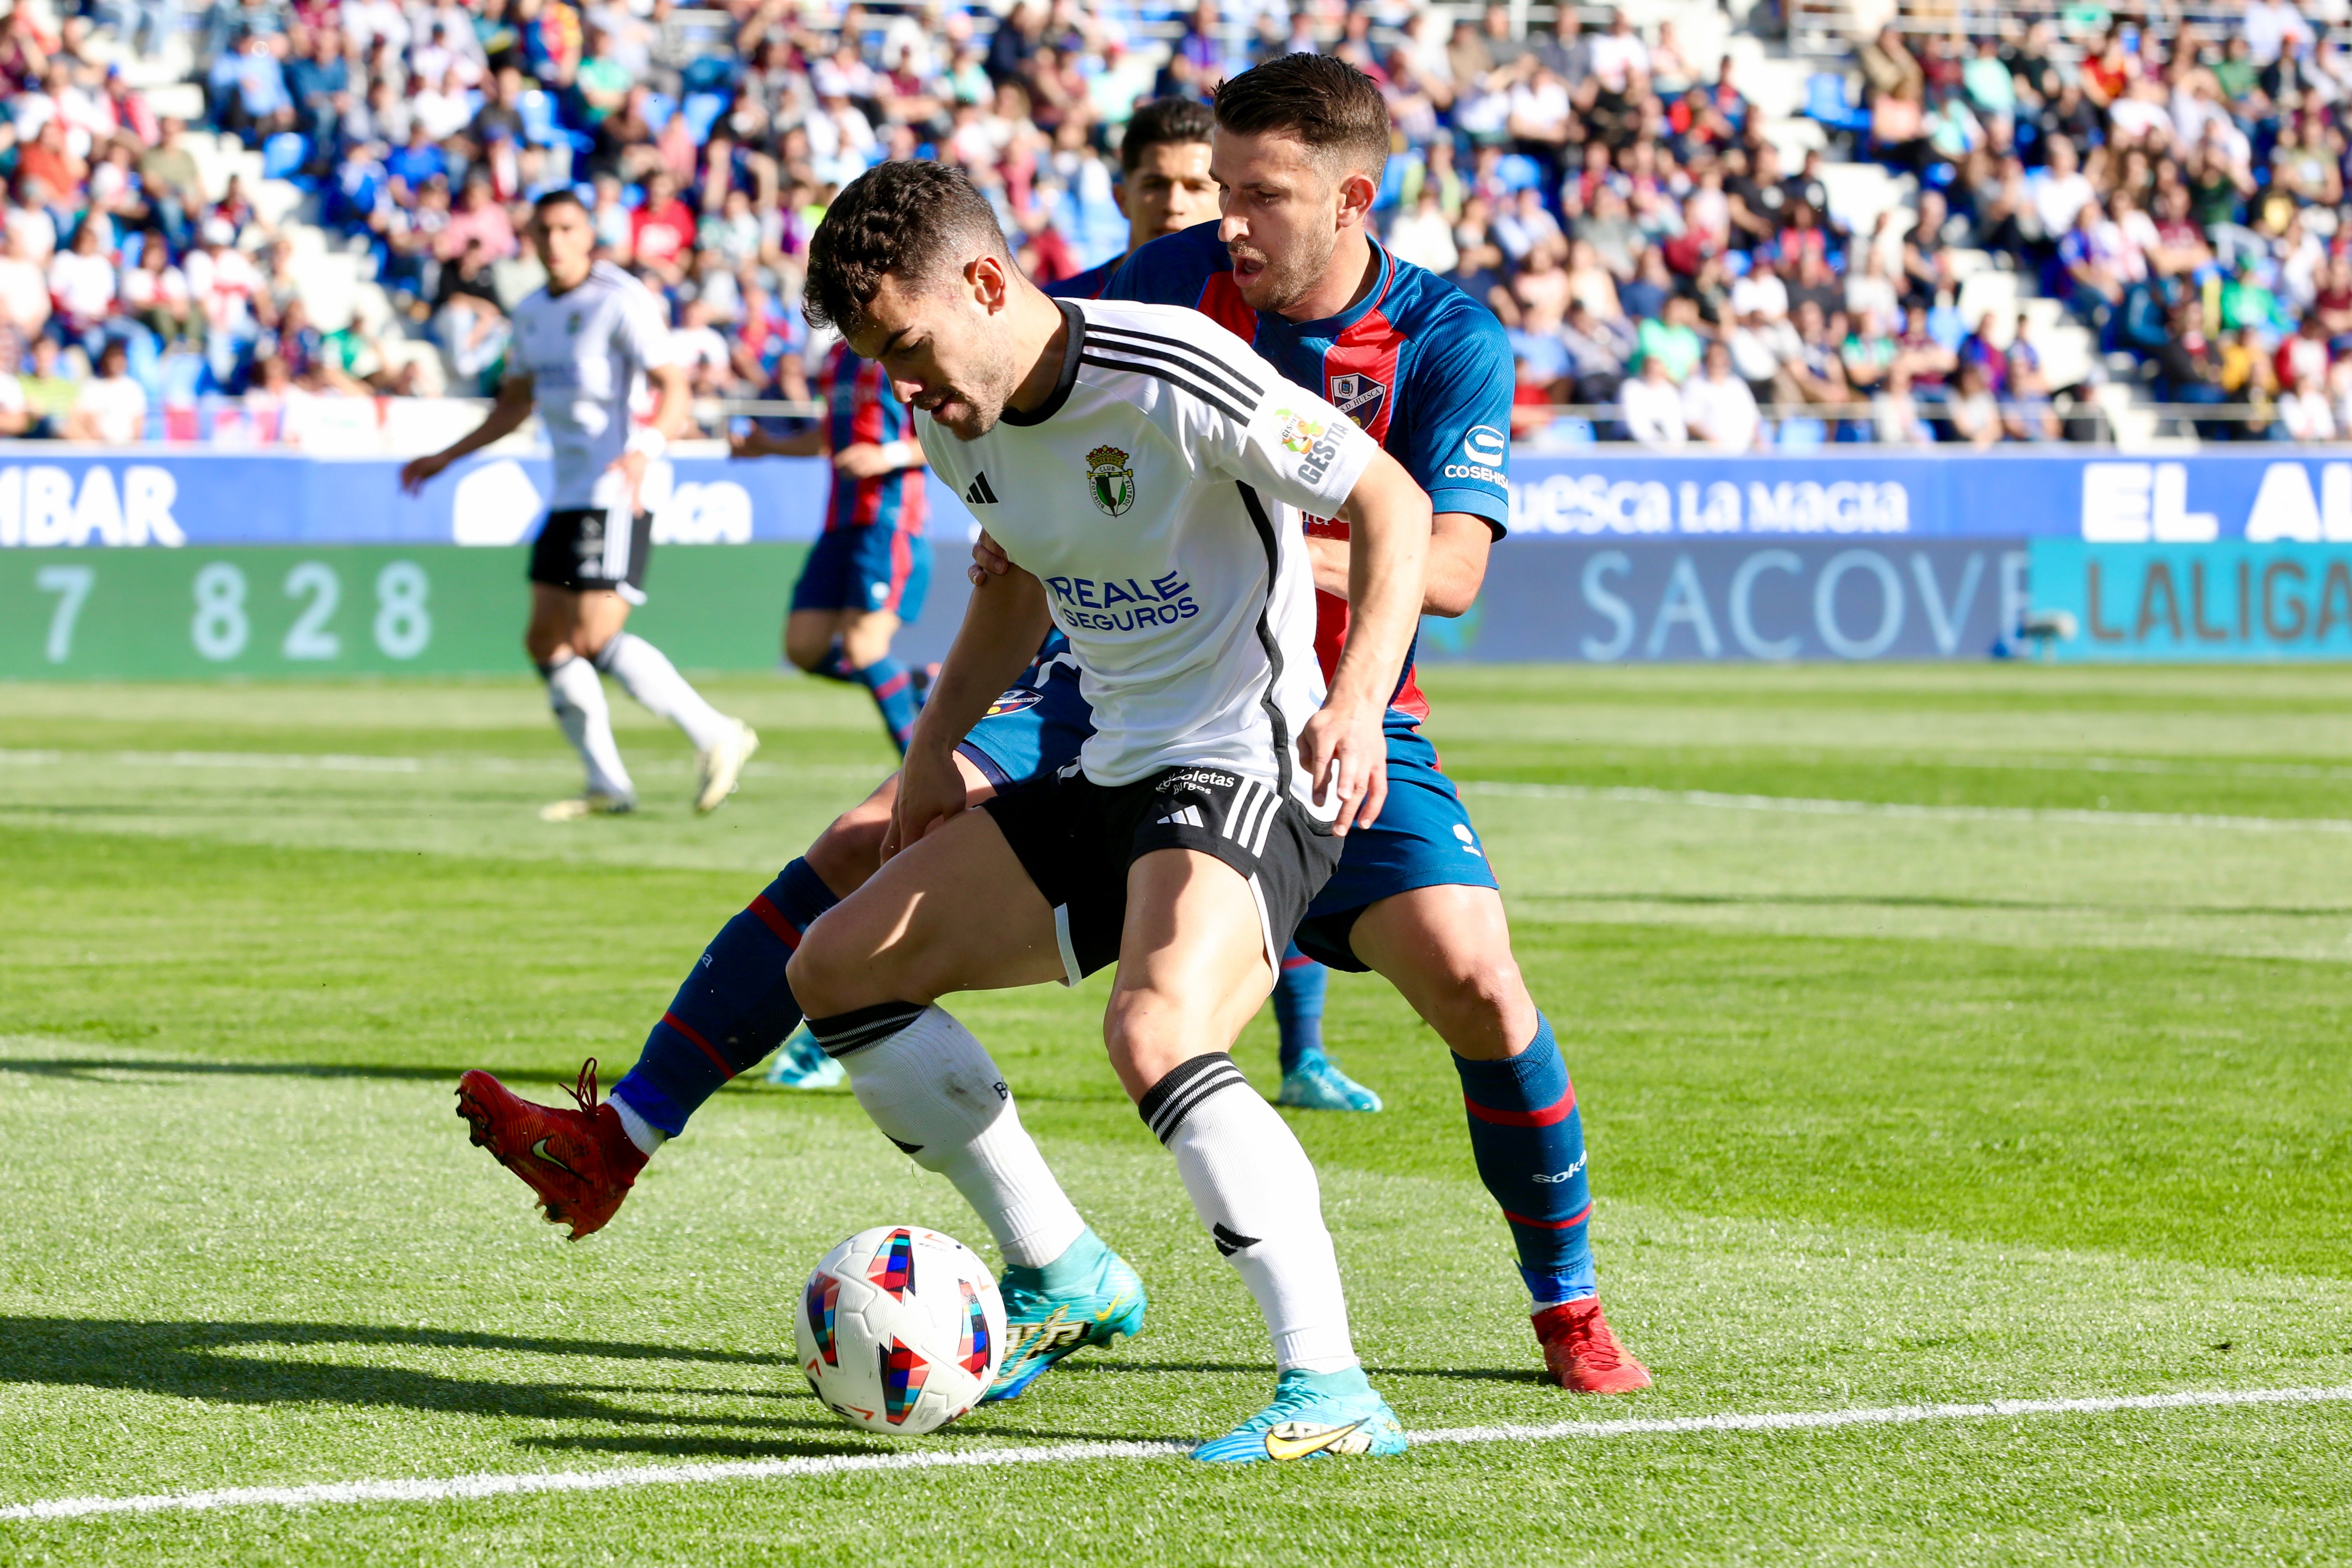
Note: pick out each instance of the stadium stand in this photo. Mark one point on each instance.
(1986, 223)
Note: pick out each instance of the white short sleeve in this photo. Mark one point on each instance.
(644, 337)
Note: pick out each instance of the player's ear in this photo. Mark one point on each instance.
(985, 276)
(1358, 191)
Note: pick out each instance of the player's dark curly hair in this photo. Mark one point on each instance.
(1163, 121)
(907, 219)
(1330, 106)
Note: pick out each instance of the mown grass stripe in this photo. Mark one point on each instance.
(1635, 794)
(466, 1489)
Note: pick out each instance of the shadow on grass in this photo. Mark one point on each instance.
(222, 1361)
(92, 1068)
(1260, 1369)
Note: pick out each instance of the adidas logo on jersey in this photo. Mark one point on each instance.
(979, 494)
(1186, 816)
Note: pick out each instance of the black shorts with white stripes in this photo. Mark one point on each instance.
(1077, 839)
(584, 548)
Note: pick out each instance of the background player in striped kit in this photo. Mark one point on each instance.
(1163, 184)
(583, 345)
(868, 570)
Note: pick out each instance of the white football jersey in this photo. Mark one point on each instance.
(586, 351)
(1156, 494)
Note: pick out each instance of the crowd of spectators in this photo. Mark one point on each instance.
(1618, 206)
(2180, 190)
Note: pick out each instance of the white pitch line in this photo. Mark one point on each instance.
(464, 1489)
(1800, 805)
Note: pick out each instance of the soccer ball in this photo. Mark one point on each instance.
(900, 1329)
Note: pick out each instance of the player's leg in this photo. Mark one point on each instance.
(1447, 949)
(734, 1007)
(870, 974)
(813, 642)
(576, 695)
(723, 743)
(1311, 1080)
(865, 648)
(1194, 966)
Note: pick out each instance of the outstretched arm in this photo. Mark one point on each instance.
(507, 415)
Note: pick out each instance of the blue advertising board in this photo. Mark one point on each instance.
(1739, 600)
(2228, 600)
(56, 496)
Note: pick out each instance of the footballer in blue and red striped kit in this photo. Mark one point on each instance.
(1292, 269)
(1163, 184)
(867, 575)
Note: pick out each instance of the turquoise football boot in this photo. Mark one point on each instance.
(1088, 1296)
(801, 1063)
(1315, 1415)
(1318, 1084)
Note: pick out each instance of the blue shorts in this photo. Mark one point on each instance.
(1035, 728)
(1422, 840)
(866, 567)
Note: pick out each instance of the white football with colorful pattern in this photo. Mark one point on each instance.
(900, 1329)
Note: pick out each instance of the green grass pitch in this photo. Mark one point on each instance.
(2039, 1090)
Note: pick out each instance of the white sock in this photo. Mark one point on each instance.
(578, 699)
(641, 1132)
(649, 676)
(1254, 1187)
(933, 1091)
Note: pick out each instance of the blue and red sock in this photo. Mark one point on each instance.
(835, 666)
(1299, 1006)
(892, 687)
(733, 1010)
(1530, 1144)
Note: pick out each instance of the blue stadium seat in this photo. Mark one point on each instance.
(284, 154)
(1827, 103)
(1802, 434)
(702, 111)
(658, 108)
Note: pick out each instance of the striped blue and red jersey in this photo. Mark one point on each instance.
(860, 407)
(1089, 284)
(1424, 368)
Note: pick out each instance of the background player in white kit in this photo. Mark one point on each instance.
(582, 346)
(1148, 469)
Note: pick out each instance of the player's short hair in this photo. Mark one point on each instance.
(563, 196)
(906, 219)
(1163, 122)
(1328, 104)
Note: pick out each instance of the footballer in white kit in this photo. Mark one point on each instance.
(584, 346)
(1156, 496)
(1146, 470)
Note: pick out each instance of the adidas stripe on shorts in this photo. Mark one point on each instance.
(1077, 839)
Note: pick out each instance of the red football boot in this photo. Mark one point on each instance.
(1582, 1355)
(579, 1163)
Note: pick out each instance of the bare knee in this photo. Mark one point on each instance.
(1148, 1035)
(1478, 1004)
(850, 851)
(812, 974)
(546, 644)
